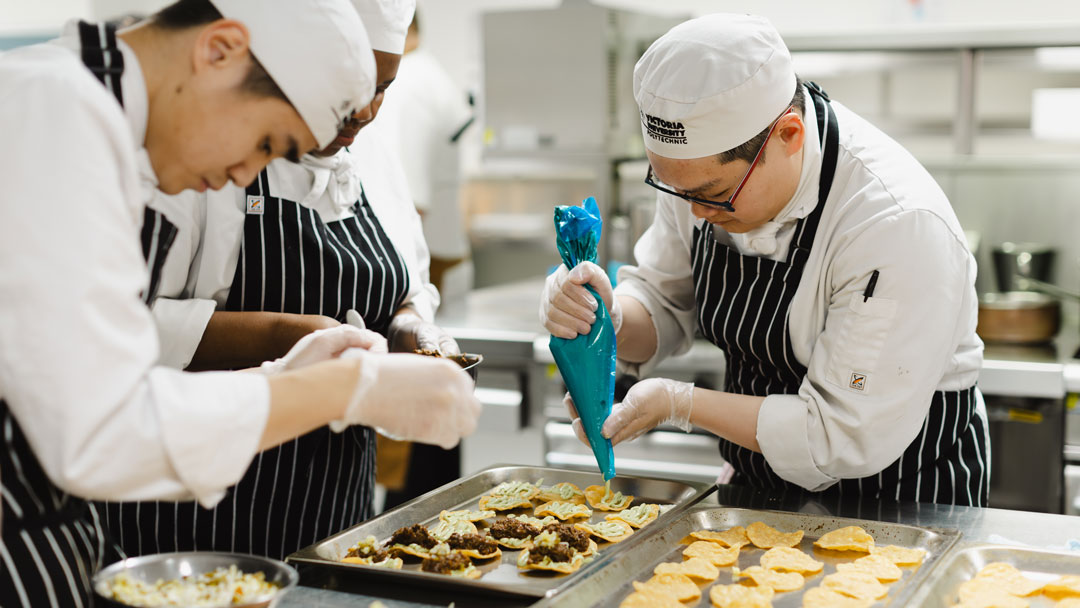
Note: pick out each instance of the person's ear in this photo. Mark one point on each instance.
(791, 131)
(221, 45)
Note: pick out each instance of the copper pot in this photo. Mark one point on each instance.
(1018, 317)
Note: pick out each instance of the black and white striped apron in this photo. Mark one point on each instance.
(157, 236)
(743, 307)
(320, 483)
(52, 542)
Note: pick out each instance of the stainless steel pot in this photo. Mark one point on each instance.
(1027, 260)
(1018, 317)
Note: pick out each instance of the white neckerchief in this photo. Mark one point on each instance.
(336, 176)
(763, 240)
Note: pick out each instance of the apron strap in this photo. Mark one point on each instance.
(102, 56)
(829, 137)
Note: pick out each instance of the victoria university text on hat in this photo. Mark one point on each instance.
(664, 131)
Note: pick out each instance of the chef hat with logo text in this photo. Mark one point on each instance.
(711, 84)
(387, 22)
(316, 51)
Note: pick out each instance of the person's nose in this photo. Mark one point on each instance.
(376, 103)
(701, 211)
(242, 174)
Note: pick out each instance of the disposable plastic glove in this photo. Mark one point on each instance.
(412, 398)
(322, 345)
(409, 332)
(647, 405)
(378, 343)
(568, 309)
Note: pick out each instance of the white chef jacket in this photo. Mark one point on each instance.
(199, 270)
(915, 336)
(424, 109)
(77, 345)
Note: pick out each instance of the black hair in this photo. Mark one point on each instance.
(185, 14)
(748, 150)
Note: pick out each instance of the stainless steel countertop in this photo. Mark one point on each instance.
(1039, 530)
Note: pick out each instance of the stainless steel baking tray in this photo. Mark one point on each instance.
(964, 562)
(502, 576)
(641, 555)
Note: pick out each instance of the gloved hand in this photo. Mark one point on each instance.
(378, 343)
(408, 332)
(568, 309)
(412, 397)
(322, 345)
(647, 405)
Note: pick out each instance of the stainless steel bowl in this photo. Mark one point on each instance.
(471, 362)
(170, 566)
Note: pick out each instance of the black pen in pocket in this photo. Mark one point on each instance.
(870, 286)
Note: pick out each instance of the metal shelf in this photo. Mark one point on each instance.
(935, 38)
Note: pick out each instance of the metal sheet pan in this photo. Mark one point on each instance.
(610, 586)
(964, 562)
(500, 576)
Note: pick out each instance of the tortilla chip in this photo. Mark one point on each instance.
(393, 563)
(445, 529)
(678, 586)
(875, 565)
(787, 559)
(741, 596)
(694, 567)
(1009, 579)
(518, 489)
(514, 544)
(650, 598)
(610, 531)
(1066, 585)
(983, 593)
(565, 492)
(822, 597)
(564, 567)
(639, 516)
(473, 553)
(778, 581)
(717, 555)
(563, 510)
(414, 550)
(901, 556)
(536, 522)
(467, 515)
(601, 499)
(591, 550)
(1069, 602)
(503, 503)
(729, 538)
(766, 537)
(851, 538)
(859, 585)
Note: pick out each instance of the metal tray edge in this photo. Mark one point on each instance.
(308, 555)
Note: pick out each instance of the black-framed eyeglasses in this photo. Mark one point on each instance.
(728, 205)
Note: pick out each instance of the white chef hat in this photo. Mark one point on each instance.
(316, 51)
(711, 84)
(387, 22)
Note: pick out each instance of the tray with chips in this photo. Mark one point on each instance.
(1036, 581)
(642, 559)
(501, 575)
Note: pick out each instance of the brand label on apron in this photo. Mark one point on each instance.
(255, 205)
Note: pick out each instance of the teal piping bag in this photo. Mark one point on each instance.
(587, 362)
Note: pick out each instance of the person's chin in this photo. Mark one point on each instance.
(731, 225)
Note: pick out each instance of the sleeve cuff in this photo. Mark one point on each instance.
(230, 407)
(180, 325)
(782, 436)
